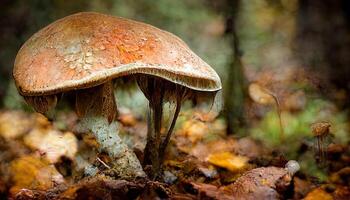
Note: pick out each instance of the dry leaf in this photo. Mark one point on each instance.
(52, 144)
(30, 172)
(194, 130)
(301, 187)
(342, 192)
(261, 183)
(340, 177)
(41, 120)
(317, 194)
(228, 161)
(202, 150)
(101, 187)
(205, 116)
(208, 191)
(14, 124)
(260, 94)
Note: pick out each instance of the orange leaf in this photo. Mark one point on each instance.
(228, 161)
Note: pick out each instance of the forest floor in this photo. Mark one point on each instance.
(41, 159)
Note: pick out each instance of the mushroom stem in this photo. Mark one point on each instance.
(165, 142)
(97, 110)
(124, 162)
(157, 92)
(155, 115)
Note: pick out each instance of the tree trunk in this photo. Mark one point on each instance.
(235, 84)
(323, 43)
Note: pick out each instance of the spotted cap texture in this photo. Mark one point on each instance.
(87, 49)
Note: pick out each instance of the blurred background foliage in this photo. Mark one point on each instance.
(276, 38)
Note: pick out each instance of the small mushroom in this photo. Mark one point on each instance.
(83, 53)
(321, 131)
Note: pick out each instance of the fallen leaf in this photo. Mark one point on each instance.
(3, 187)
(341, 177)
(30, 172)
(341, 192)
(208, 191)
(194, 130)
(260, 94)
(14, 124)
(201, 150)
(98, 187)
(301, 188)
(263, 183)
(260, 183)
(101, 187)
(318, 194)
(52, 144)
(204, 116)
(228, 161)
(41, 121)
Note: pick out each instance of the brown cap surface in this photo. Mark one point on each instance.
(86, 49)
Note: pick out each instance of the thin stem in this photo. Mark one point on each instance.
(103, 163)
(153, 135)
(150, 137)
(155, 93)
(170, 131)
(323, 151)
(279, 117)
(279, 113)
(171, 128)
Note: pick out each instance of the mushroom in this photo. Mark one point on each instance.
(321, 131)
(83, 53)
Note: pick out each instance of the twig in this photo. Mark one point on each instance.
(103, 163)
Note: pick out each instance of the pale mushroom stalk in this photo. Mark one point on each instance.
(125, 163)
(97, 109)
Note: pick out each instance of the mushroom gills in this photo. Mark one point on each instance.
(42, 104)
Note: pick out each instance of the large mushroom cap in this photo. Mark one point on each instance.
(87, 49)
